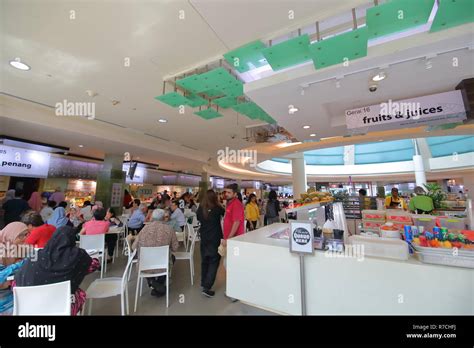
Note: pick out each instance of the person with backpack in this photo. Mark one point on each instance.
(273, 208)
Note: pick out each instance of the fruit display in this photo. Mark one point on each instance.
(435, 239)
(312, 196)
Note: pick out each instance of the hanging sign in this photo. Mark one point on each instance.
(16, 161)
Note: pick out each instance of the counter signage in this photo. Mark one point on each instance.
(432, 109)
(15, 161)
(137, 178)
(301, 237)
(115, 200)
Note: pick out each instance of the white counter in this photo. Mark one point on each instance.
(262, 272)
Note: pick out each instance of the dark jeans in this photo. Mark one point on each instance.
(158, 283)
(251, 225)
(210, 259)
(111, 241)
(134, 231)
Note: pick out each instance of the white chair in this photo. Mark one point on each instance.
(188, 255)
(113, 286)
(153, 258)
(196, 226)
(119, 231)
(128, 252)
(51, 299)
(95, 242)
(182, 237)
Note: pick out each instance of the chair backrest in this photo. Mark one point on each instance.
(50, 299)
(131, 255)
(193, 239)
(154, 258)
(94, 241)
(128, 249)
(195, 221)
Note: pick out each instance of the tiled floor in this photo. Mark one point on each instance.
(184, 298)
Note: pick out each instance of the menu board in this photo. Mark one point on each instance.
(115, 200)
(301, 237)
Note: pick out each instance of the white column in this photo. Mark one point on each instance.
(298, 167)
(418, 166)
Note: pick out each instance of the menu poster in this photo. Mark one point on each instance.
(116, 195)
(301, 237)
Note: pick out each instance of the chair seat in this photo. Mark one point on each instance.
(180, 236)
(182, 255)
(105, 287)
(147, 275)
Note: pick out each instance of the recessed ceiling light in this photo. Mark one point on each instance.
(379, 77)
(80, 145)
(306, 127)
(312, 135)
(18, 64)
(292, 109)
(162, 120)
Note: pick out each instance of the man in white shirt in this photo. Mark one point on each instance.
(178, 215)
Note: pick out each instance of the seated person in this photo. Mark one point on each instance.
(155, 234)
(40, 233)
(98, 225)
(48, 210)
(137, 219)
(59, 218)
(60, 260)
(177, 215)
(86, 211)
(112, 218)
(421, 204)
(13, 233)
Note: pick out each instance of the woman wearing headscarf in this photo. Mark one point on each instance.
(59, 218)
(10, 194)
(14, 233)
(35, 202)
(60, 260)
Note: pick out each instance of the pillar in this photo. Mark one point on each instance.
(111, 183)
(298, 168)
(418, 166)
(203, 184)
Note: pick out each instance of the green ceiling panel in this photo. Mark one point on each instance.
(225, 102)
(335, 50)
(173, 99)
(397, 15)
(246, 57)
(288, 53)
(452, 13)
(253, 111)
(208, 114)
(218, 79)
(213, 93)
(195, 100)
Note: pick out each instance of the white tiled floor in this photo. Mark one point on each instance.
(184, 298)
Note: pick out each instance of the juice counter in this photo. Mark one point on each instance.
(263, 273)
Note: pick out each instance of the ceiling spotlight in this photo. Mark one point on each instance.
(292, 109)
(306, 127)
(18, 64)
(379, 77)
(91, 93)
(162, 120)
(312, 135)
(115, 102)
(80, 145)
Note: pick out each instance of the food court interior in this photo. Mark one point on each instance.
(344, 108)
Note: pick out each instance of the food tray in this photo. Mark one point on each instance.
(446, 260)
(372, 225)
(373, 215)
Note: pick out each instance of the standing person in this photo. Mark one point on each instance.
(421, 204)
(261, 210)
(57, 196)
(177, 215)
(127, 199)
(156, 234)
(60, 260)
(395, 201)
(48, 210)
(252, 212)
(35, 202)
(209, 215)
(15, 207)
(273, 208)
(165, 195)
(40, 233)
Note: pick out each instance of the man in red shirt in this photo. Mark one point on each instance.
(40, 233)
(234, 214)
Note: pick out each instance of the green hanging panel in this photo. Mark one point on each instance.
(218, 80)
(208, 114)
(396, 16)
(194, 100)
(339, 49)
(246, 57)
(225, 102)
(452, 13)
(173, 99)
(288, 53)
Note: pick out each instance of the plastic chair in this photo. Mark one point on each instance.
(153, 258)
(113, 286)
(188, 255)
(128, 252)
(96, 242)
(182, 237)
(50, 299)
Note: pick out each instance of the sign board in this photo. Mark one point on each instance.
(15, 161)
(301, 237)
(137, 178)
(115, 200)
(433, 109)
(145, 192)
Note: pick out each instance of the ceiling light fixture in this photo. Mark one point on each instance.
(292, 109)
(162, 120)
(18, 64)
(80, 145)
(379, 77)
(312, 135)
(306, 127)
(283, 145)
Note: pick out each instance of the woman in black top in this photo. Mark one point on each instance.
(209, 214)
